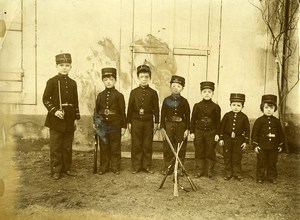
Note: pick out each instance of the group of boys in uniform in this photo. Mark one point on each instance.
(205, 125)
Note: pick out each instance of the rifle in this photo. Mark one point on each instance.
(95, 154)
(59, 96)
(169, 171)
(180, 163)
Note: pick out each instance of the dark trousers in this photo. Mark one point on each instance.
(110, 152)
(232, 153)
(60, 151)
(266, 163)
(205, 154)
(141, 144)
(175, 131)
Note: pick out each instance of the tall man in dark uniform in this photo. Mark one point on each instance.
(268, 139)
(61, 100)
(234, 135)
(175, 121)
(143, 110)
(110, 108)
(205, 125)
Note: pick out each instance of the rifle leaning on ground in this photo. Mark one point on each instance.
(95, 153)
(169, 172)
(180, 163)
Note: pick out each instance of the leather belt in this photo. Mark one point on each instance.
(107, 112)
(206, 119)
(174, 119)
(143, 112)
(234, 135)
(271, 135)
(66, 104)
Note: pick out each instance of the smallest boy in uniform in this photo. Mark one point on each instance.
(61, 100)
(175, 121)
(110, 108)
(205, 124)
(267, 138)
(234, 135)
(143, 110)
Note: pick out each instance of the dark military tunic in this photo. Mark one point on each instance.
(205, 124)
(69, 100)
(61, 130)
(268, 135)
(110, 104)
(234, 131)
(175, 119)
(143, 109)
(144, 98)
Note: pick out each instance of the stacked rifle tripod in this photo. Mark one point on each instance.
(173, 168)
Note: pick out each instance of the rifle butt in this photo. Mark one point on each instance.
(175, 189)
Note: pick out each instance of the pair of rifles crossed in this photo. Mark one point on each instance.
(175, 165)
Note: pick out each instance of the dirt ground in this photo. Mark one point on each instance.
(30, 192)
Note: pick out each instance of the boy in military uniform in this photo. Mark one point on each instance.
(142, 106)
(267, 138)
(175, 121)
(234, 135)
(110, 109)
(205, 124)
(61, 100)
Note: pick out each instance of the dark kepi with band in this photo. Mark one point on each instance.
(108, 72)
(269, 98)
(237, 97)
(178, 79)
(207, 85)
(143, 69)
(63, 58)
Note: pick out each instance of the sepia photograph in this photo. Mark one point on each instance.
(149, 109)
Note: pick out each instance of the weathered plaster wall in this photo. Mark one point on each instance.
(102, 33)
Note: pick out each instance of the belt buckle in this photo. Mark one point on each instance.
(141, 111)
(271, 135)
(232, 135)
(176, 119)
(106, 111)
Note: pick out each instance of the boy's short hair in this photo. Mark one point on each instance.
(63, 58)
(143, 69)
(237, 101)
(108, 72)
(270, 99)
(269, 104)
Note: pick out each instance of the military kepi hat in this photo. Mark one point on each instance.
(63, 58)
(178, 79)
(237, 97)
(207, 85)
(143, 69)
(269, 99)
(108, 72)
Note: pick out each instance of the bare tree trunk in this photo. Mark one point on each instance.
(284, 73)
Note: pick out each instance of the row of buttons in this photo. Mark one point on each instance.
(269, 128)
